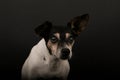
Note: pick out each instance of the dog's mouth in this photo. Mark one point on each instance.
(64, 57)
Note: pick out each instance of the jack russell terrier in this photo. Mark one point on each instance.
(48, 59)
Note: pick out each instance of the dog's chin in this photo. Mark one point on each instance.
(65, 57)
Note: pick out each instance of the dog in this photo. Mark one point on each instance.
(48, 59)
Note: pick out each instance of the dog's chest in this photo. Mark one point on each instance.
(53, 69)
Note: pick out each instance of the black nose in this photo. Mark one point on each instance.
(65, 53)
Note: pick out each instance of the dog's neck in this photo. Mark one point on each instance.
(54, 62)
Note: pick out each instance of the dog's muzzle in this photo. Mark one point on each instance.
(65, 52)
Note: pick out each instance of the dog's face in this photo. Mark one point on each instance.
(60, 42)
(59, 39)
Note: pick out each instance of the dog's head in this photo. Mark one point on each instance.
(59, 39)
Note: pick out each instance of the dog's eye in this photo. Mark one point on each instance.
(70, 39)
(53, 39)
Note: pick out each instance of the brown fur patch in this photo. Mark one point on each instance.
(67, 35)
(57, 35)
(53, 47)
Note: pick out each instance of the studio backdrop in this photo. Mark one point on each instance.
(96, 53)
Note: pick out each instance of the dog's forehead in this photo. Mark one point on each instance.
(60, 29)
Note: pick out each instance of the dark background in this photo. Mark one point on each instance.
(96, 51)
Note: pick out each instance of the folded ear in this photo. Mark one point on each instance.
(44, 29)
(79, 23)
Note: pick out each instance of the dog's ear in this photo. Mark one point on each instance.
(44, 29)
(79, 23)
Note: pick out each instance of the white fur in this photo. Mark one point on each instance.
(41, 64)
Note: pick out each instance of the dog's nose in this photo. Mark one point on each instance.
(65, 53)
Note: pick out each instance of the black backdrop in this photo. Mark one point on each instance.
(96, 51)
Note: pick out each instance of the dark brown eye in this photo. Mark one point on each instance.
(53, 39)
(70, 39)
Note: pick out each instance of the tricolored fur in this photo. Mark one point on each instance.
(48, 60)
